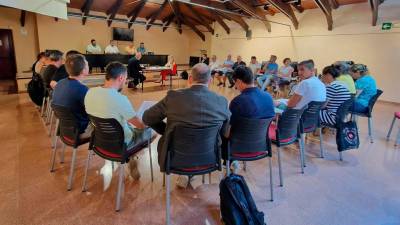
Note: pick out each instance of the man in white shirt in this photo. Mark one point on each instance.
(93, 48)
(309, 89)
(214, 65)
(111, 48)
(254, 66)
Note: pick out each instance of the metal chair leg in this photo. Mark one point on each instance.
(55, 137)
(303, 137)
(53, 158)
(270, 179)
(72, 169)
(151, 162)
(228, 168)
(209, 178)
(340, 156)
(244, 166)
(120, 187)
(203, 178)
(301, 154)
(168, 202)
(42, 107)
(390, 129)
(370, 129)
(163, 184)
(62, 153)
(321, 144)
(51, 123)
(280, 167)
(84, 188)
(397, 139)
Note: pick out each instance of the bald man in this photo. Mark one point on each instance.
(195, 107)
(135, 71)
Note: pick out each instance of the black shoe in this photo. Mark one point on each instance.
(220, 84)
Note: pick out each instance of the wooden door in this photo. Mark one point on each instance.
(8, 68)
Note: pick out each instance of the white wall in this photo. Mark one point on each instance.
(353, 38)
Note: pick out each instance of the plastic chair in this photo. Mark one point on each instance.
(368, 114)
(341, 116)
(191, 151)
(108, 142)
(68, 132)
(396, 116)
(249, 141)
(310, 122)
(285, 133)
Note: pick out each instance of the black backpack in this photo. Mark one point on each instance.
(36, 89)
(184, 75)
(237, 205)
(347, 136)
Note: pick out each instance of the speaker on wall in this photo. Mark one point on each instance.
(249, 34)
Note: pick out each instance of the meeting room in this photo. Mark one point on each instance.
(199, 112)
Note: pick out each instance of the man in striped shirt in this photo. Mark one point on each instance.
(336, 93)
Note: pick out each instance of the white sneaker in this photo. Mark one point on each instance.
(106, 171)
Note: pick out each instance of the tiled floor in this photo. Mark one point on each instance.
(364, 189)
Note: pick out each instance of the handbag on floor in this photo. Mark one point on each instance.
(347, 136)
(36, 89)
(237, 204)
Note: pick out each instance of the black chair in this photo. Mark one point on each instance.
(108, 142)
(249, 141)
(68, 132)
(192, 151)
(285, 133)
(309, 122)
(341, 117)
(368, 113)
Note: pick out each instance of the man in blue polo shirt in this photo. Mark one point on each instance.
(70, 92)
(251, 103)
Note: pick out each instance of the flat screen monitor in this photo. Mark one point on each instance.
(122, 34)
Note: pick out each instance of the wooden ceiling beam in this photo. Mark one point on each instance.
(202, 20)
(334, 3)
(223, 24)
(327, 10)
(22, 18)
(85, 10)
(113, 11)
(135, 12)
(285, 9)
(375, 9)
(168, 22)
(298, 8)
(178, 16)
(252, 11)
(194, 28)
(156, 14)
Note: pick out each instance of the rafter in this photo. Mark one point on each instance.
(135, 12)
(22, 18)
(327, 10)
(197, 31)
(252, 11)
(334, 3)
(375, 9)
(178, 16)
(167, 21)
(285, 9)
(223, 24)
(156, 14)
(85, 10)
(201, 19)
(113, 11)
(298, 8)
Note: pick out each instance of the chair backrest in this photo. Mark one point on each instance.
(108, 139)
(250, 135)
(68, 127)
(288, 125)
(343, 110)
(309, 121)
(372, 102)
(193, 147)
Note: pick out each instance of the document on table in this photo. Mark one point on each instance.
(143, 107)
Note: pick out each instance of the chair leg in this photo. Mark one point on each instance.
(62, 153)
(168, 202)
(228, 168)
(321, 144)
(120, 187)
(51, 122)
(270, 179)
(244, 166)
(163, 183)
(72, 169)
(340, 156)
(370, 129)
(390, 129)
(397, 139)
(151, 162)
(303, 137)
(54, 137)
(301, 155)
(53, 158)
(42, 108)
(209, 178)
(203, 178)
(280, 167)
(84, 188)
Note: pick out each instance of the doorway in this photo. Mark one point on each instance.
(8, 68)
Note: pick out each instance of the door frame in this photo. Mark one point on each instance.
(14, 64)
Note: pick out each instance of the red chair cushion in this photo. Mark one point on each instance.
(309, 129)
(107, 153)
(248, 154)
(196, 168)
(272, 135)
(69, 140)
(397, 114)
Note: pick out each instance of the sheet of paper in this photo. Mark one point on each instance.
(144, 106)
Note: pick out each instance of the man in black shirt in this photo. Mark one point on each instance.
(55, 61)
(61, 71)
(238, 63)
(135, 71)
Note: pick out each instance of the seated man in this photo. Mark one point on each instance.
(108, 102)
(226, 67)
(195, 106)
(70, 92)
(55, 60)
(135, 70)
(252, 103)
(239, 62)
(309, 89)
(61, 71)
(271, 70)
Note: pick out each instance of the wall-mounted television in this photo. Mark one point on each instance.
(122, 34)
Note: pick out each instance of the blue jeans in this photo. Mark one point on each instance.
(264, 81)
(357, 107)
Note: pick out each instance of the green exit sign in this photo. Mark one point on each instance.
(387, 26)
